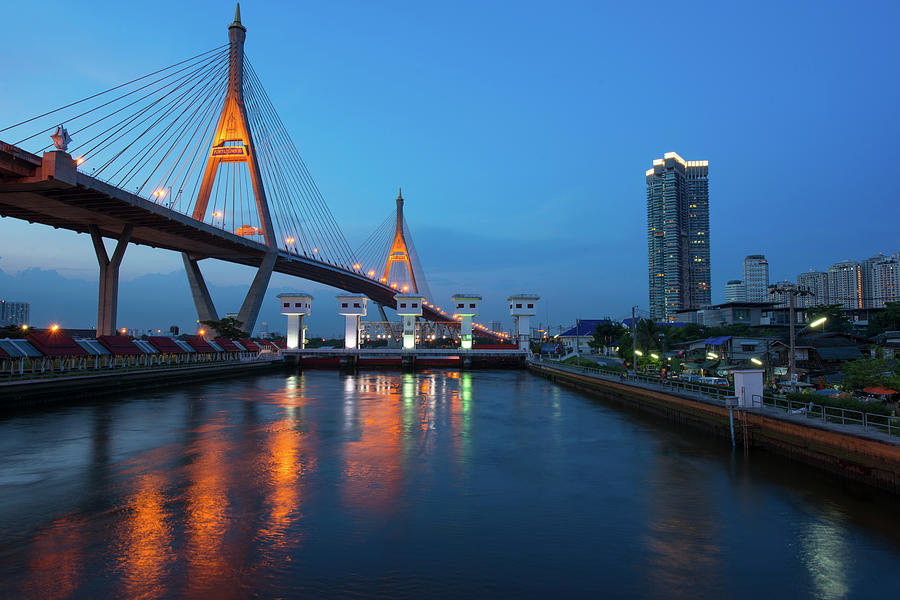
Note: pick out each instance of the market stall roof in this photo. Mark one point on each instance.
(249, 345)
(227, 344)
(93, 347)
(146, 347)
(165, 345)
(56, 343)
(881, 391)
(119, 345)
(17, 348)
(199, 344)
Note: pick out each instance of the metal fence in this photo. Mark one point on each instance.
(827, 414)
(831, 414)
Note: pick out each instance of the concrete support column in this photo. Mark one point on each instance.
(351, 332)
(523, 331)
(108, 297)
(409, 332)
(257, 292)
(206, 311)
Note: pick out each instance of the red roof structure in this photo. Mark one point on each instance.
(3, 353)
(165, 345)
(881, 391)
(227, 344)
(250, 345)
(199, 344)
(56, 343)
(119, 345)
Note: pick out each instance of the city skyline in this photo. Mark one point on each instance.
(495, 256)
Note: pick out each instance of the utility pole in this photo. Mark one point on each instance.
(792, 291)
(577, 341)
(633, 343)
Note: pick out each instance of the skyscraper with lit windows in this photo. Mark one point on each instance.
(678, 235)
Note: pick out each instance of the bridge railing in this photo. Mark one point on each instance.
(849, 418)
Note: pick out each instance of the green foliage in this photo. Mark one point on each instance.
(689, 332)
(845, 402)
(13, 331)
(606, 333)
(229, 327)
(865, 372)
(626, 348)
(836, 321)
(579, 362)
(889, 320)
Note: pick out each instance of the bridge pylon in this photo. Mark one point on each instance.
(399, 252)
(233, 142)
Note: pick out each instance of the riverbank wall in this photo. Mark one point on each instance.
(34, 392)
(861, 458)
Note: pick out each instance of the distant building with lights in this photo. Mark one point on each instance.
(816, 283)
(735, 292)
(15, 313)
(756, 278)
(677, 235)
(845, 284)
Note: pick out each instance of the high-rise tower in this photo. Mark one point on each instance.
(678, 235)
(756, 278)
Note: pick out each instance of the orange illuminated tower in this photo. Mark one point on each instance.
(399, 250)
(233, 141)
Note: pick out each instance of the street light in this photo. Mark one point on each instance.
(655, 356)
(818, 322)
(756, 361)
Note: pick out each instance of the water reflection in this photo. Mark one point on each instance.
(207, 507)
(397, 485)
(145, 540)
(57, 559)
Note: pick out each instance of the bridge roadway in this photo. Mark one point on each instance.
(51, 191)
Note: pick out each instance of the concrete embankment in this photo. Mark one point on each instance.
(873, 459)
(33, 392)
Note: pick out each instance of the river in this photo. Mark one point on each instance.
(433, 484)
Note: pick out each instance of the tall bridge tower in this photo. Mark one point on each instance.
(233, 143)
(399, 252)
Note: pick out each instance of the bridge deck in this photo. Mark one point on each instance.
(51, 191)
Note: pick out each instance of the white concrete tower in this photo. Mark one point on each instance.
(409, 307)
(352, 306)
(295, 305)
(466, 307)
(522, 307)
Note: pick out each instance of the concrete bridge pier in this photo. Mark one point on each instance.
(108, 299)
(206, 310)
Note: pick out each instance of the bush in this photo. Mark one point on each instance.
(847, 403)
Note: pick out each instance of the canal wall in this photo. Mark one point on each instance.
(33, 392)
(861, 458)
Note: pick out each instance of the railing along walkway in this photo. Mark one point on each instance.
(864, 424)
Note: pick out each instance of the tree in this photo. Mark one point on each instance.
(13, 331)
(229, 327)
(865, 372)
(889, 320)
(606, 333)
(836, 320)
(646, 335)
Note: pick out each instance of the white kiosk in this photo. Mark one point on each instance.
(522, 307)
(747, 384)
(466, 307)
(409, 307)
(352, 306)
(295, 305)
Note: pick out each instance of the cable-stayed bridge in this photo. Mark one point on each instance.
(194, 158)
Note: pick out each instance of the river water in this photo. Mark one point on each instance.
(434, 484)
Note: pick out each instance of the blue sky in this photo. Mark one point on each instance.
(520, 132)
